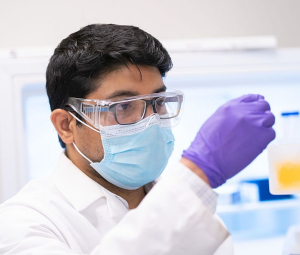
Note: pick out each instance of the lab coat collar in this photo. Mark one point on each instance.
(79, 189)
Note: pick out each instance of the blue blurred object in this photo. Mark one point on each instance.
(262, 189)
(259, 214)
(289, 113)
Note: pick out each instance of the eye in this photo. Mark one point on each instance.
(124, 106)
(160, 102)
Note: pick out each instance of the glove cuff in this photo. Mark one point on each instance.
(214, 176)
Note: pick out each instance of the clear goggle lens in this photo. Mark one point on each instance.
(131, 110)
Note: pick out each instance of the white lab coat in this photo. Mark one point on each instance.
(68, 213)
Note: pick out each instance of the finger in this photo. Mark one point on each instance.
(260, 105)
(270, 135)
(265, 119)
(251, 98)
(265, 137)
(256, 107)
(269, 120)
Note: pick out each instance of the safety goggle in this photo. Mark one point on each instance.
(130, 110)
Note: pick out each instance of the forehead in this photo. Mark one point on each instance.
(128, 81)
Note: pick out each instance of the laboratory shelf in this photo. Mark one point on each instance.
(260, 219)
(265, 205)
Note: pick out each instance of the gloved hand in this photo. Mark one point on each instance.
(232, 138)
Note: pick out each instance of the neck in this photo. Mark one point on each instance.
(133, 197)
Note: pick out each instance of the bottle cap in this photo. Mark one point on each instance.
(284, 114)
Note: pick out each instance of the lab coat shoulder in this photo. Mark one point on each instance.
(36, 221)
(22, 220)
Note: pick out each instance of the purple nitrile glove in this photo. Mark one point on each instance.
(232, 138)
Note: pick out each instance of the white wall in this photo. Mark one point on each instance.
(30, 23)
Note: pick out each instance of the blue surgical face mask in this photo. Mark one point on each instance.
(136, 154)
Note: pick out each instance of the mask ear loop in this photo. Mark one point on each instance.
(82, 153)
(75, 144)
(152, 116)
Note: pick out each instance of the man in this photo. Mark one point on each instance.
(114, 117)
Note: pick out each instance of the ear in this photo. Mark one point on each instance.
(64, 124)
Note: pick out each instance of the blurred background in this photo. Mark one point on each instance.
(220, 50)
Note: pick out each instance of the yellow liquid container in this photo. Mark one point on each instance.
(284, 158)
(284, 163)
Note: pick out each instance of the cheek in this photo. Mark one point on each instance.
(90, 144)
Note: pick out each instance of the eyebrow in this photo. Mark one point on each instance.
(127, 93)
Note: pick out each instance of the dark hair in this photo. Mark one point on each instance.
(89, 54)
